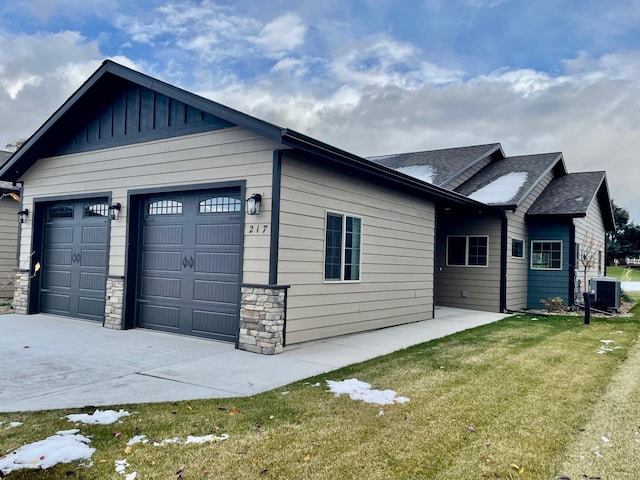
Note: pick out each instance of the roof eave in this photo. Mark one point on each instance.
(307, 144)
(558, 161)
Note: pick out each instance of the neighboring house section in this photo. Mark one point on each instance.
(570, 218)
(496, 261)
(9, 203)
(153, 207)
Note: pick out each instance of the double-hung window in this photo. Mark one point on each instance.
(546, 255)
(517, 248)
(467, 251)
(343, 238)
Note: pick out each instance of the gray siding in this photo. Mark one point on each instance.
(230, 154)
(591, 240)
(517, 268)
(457, 181)
(8, 243)
(480, 284)
(396, 283)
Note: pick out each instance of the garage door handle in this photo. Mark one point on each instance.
(184, 262)
(191, 262)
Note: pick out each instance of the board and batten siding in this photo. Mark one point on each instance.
(8, 244)
(590, 239)
(225, 155)
(474, 287)
(396, 284)
(518, 268)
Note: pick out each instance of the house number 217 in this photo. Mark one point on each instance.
(258, 229)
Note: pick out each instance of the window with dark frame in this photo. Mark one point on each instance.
(343, 239)
(165, 207)
(517, 248)
(467, 251)
(546, 255)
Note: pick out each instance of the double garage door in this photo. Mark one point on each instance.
(188, 262)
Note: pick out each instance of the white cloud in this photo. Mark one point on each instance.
(282, 35)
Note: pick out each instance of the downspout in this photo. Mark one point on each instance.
(503, 263)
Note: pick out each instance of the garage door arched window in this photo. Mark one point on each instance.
(56, 211)
(165, 207)
(96, 210)
(220, 204)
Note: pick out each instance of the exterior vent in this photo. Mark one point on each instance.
(606, 292)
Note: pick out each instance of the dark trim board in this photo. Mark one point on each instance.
(276, 188)
(503, 262)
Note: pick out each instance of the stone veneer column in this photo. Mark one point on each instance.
(113, 303)
(262, 318)
(21, 291)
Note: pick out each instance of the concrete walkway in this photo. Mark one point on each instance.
(50, 362)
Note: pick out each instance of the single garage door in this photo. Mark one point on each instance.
(189, 270)
(74, 260)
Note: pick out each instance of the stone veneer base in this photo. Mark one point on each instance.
(262, 319)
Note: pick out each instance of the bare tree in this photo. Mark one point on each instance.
(589, 256)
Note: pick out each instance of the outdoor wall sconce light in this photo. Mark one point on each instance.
(22, 215)
(115, 210)
(253, 204)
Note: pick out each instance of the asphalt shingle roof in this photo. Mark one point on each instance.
(527, 170)
(569, 194)
(445, 163)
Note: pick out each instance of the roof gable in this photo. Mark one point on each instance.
(117, 105)
(509, 181)
(439, 167)
(571, 195)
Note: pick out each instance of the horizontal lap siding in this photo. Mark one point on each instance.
(397, 254)
(231, 154)
(8, 244)
(590, 236)
(517, 268)
(544, 284)
(481, 284)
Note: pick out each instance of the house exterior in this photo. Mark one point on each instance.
(153, 207)
(544, 238)
(9, 202)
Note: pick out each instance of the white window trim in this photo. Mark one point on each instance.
(342, 250)
(524, 253)
(561, 255)
(466, 251)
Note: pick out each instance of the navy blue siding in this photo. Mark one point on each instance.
(549, 283)
(129, 113)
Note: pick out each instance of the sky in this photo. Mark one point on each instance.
(372, 77)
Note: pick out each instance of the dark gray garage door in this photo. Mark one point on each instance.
(74, 259)
(190, 264)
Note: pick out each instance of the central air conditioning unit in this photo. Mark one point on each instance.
(606, 291)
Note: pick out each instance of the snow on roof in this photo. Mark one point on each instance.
(501, 190)
(421, 172)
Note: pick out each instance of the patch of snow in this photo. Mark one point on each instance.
(63, 447)
(98, 417)
(421, 172)
(607, 342)
(501, 190)
(358, 390)
(630, 286)
(206, 439)
(13, 425)
(579, 199)
(604, 439)
(177, 440)
(383, 157)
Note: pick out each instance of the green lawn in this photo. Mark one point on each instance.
(524, 398)
(623, 273)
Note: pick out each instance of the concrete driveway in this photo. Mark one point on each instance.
(51, 362)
